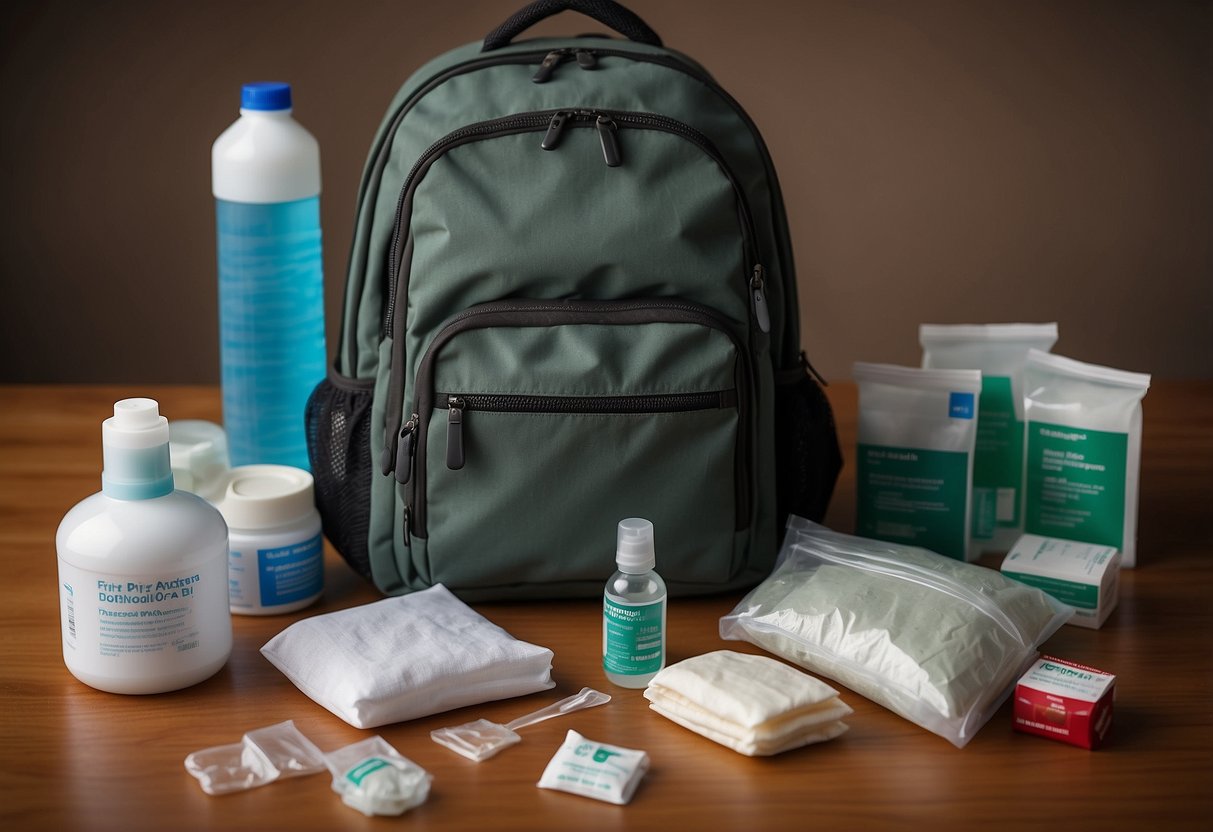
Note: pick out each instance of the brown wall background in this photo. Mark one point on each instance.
(942, 161)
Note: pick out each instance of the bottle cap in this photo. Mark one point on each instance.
(634, 550)
(198, 450)
(265, 95)
(266, 496)
(135, 445)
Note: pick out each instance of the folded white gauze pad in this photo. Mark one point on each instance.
(406, 657)
(752, 704)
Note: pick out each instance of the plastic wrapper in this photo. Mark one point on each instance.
(261, 757)
(937, 641)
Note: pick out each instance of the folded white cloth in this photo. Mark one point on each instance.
(752, 704)
(407, 657)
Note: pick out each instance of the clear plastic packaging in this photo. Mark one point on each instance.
(376, 779)
(480, 740)
(937, 641)
(262, 756)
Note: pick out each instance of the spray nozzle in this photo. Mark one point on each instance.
(634, 549)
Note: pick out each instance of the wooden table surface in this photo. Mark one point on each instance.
(74, 758)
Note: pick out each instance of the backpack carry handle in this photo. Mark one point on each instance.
(607, 12)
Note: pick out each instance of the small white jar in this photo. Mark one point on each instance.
(276, 554)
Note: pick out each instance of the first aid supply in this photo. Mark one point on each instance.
(914, 463)
(752, 704)
(261, 757)
(1083, 452)
(265, 175)
(595, 769)
(1083, 575)
(276, 561)
(198, 452)
(521, 364)
(402, 658)
(938, 641)
(633, 609)
(376, 779)
(142, 569)
(1065, 701)
(482, 739)
(999, 352)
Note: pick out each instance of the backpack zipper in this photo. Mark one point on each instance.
(457, 404)
(548, 313)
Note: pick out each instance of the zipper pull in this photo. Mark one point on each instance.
(550, 61)
(406, 527)
(610, 141)
(404, 454)
(586, 59)
(758, 298)
(551, 139)
(454, 433)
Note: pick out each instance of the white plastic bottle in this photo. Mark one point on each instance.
(633, 609)
(277, 554)
(142, 569)
(266, 180)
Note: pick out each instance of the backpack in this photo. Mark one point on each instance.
(570, 300)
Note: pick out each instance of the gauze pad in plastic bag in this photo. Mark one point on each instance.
(262, 756)
(1083, 452)
(914, 463)
(938, 641)
(999, 351)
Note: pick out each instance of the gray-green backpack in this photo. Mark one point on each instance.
(571, 300)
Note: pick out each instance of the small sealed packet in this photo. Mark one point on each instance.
(376, 779)
(261, 757)
(1065, 701)
(594, 769)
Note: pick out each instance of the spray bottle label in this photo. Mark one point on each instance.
(632, 637)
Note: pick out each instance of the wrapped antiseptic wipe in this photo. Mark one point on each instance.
(935, 640)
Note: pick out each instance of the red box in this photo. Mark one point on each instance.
(1065, 701)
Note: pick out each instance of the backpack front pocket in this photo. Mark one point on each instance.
(538, 425)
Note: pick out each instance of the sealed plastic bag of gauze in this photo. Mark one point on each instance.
(402, 658)
(999, 351)
(914, 463)
(938, 641)
(1083, 452)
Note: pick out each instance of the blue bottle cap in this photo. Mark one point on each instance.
(266, 95)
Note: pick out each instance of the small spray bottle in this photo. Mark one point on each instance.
(633, 610)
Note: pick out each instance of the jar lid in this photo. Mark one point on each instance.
(266, 496)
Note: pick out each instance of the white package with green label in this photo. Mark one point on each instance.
(914, 463)
(1082, 451)
(999, 351)
(1083, 575)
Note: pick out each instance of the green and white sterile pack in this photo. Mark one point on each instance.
(917, 430)
(934, 640)
(595, 769)
(1083, 451)
(999, 351)
(1084, 575)
(376, 779)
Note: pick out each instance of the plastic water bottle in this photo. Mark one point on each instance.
(266, 180)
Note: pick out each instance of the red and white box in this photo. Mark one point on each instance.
(1065, 701)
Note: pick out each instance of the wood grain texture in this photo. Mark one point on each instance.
(75, 758)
